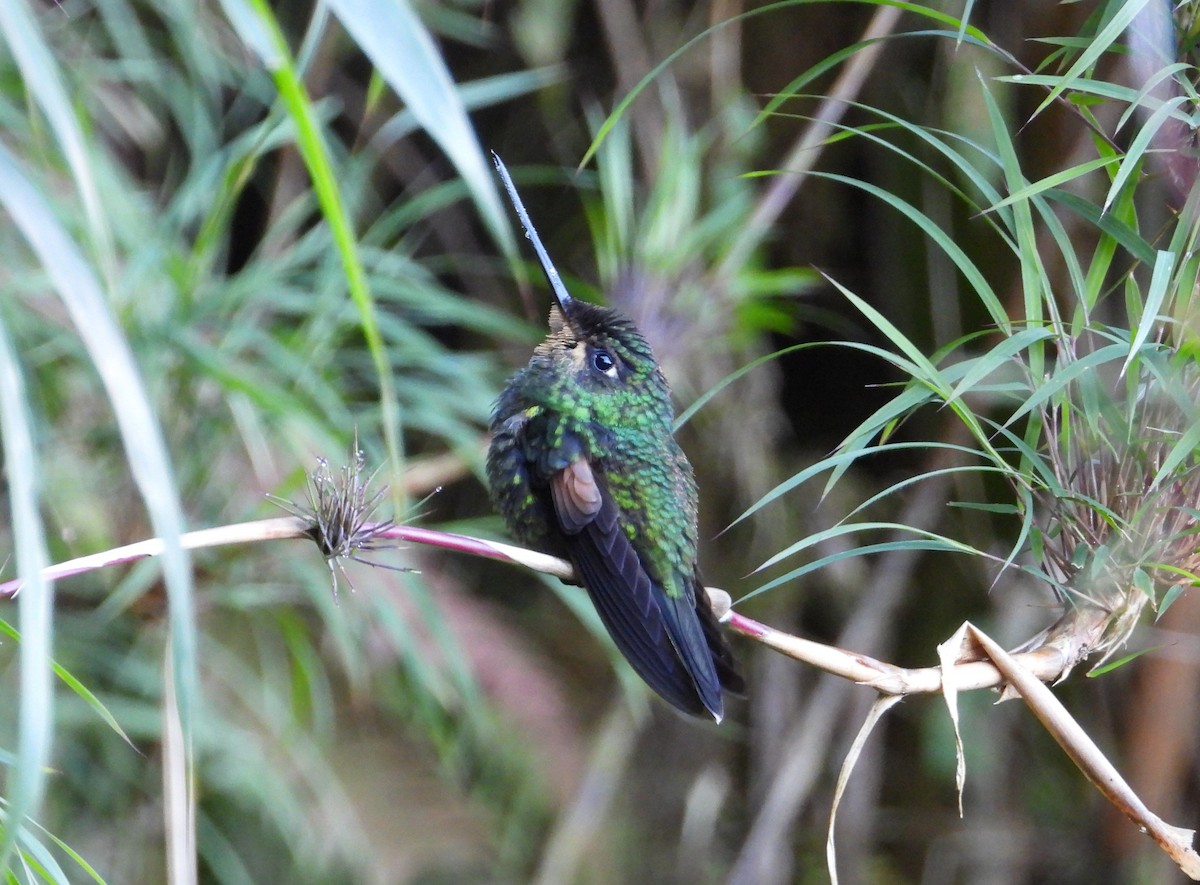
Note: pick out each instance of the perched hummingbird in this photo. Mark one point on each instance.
(583, 464)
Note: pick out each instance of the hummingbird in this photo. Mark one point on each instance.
(583, 464)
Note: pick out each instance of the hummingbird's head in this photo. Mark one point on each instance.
(599, 347)
(593, 354)
(595, 365)
(591, 348)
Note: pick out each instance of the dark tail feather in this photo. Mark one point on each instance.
(628, 604)
(722, 654)
(692, 645)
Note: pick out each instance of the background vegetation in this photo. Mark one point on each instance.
(239, 235)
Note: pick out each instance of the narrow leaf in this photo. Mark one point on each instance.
(402, 49)
(1160, 280)
(1125, 14)
(35, 704)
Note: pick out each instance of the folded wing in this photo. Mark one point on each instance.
(663, 636)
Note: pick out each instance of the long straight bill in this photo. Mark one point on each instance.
(552, 277)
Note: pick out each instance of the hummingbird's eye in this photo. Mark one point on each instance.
(602, 362)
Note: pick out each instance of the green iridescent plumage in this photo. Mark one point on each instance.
(583, 464)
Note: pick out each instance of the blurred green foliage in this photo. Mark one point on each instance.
(242, 237)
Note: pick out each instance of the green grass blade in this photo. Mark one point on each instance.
(931, 474)
(623, 105)
(1184, 449)
(1096, 88)
(402, 50)
(1034, 470)
(35, 706)
(474, 94)
(1063, 376)
(1092, 51)
(80, 862)
(792, 90)
(75, 856)
(84, 693)
(257, 26)
(1160, 281)
(708, 395)
(843, 529)
(1139, 146)
(1116, 228)
(141, 435)
(1052, 182)
(941, 239)
(1035, 283)
(1145, 100)
(36, 859)
(969, 168)
(837, 460)
(935, 543)
(40, 76)
(999, 356)
(1067, 247)
(1026, 508)
(921, 368)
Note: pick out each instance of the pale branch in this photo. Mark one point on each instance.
(238, 533)
(1046, 663)
(284, 527)
(1088, 758)
(980, 664)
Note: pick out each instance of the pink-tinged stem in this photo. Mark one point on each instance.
(239, 533)
(849, 665)
(541, 562)
(294, 527)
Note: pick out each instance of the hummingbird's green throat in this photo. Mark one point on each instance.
(583, 464)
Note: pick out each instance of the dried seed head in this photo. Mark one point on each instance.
(341, 515)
